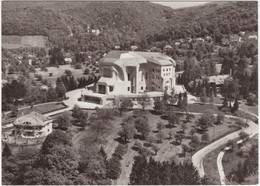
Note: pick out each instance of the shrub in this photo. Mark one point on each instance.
(78, 66)
(251, 100)
(220, 117)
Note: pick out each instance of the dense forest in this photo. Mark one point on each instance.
(125, 23)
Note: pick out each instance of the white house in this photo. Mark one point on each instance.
(68, 60)
(33, 125)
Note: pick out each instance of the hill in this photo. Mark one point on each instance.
(125, 23)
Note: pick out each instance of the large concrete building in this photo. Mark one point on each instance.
(33, 125)
(134, 72)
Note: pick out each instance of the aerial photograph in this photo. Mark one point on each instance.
(129, 93)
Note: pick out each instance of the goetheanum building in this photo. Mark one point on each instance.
(132, 74)
(33, 125)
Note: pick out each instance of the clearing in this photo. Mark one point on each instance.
(15, 41)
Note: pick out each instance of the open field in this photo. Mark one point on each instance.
(57, 72)
(13, 41)
(211, 168)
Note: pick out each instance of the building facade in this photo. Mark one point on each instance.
(33, 125)
(135, 72)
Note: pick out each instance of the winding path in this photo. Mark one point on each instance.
(220, 168)
(198, 157)
(221, 154)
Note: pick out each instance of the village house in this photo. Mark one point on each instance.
(33, 125)
(68, 60)
(252, 37)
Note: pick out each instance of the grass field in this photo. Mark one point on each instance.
(57, 72)
(14, 41)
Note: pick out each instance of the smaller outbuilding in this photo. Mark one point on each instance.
(33, 125)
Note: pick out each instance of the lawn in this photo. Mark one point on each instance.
(58, 72)
(199, 108)
(210, 166)
(15, 41)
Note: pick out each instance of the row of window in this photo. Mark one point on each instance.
(166, 69)
(167, 74)
(156, 70)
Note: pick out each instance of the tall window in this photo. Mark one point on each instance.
(146, 75)
(128, 76)
(142, 76)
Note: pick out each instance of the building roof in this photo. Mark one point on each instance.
(157, 58)
(219, 80)
(133, 58)
(33, 119)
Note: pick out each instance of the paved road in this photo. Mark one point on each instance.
(198, 157)
(220, 168)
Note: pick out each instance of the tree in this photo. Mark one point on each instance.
(142, 126)
(103, 153)
(14, 111)
(195, 141)
(125, 104)
(203, 95)
(185, 101)
(183, 127)
(220, 117)
(60, 88)
(207, 119)
(161, 136)
(188, 117)
(51, 94)
(173, 119)
(56, 138)
(127, 132)
(114, 168)
(86, 71)
(144, 101)
(179, 138)
(6, 151)
(160, 126)
(105, 115)
(235, 106)
(155, 149)
(205, 137)
(170, 133)
(179, 103)
(243, 135)
(251, 99)
(230, 89)
(185, 148)
(192, 132)
(63, 121)
(138, 145)
(151, 139)
(77, 112)
(158, 105)
(83, 121)
(121, 150)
